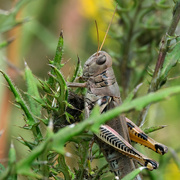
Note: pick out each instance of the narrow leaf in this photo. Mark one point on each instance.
(12, 155)
(32, 90)
(31, 121)
(133, 174)
(76, 71)
(172, 58)
(153, 128)
(56, 141)
(57, 61)
(8, 18)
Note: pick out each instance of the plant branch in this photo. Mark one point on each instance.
(56, 141)
(157, 81)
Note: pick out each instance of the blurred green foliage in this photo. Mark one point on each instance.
(134, 42)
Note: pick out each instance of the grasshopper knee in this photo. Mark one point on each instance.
(161, 149)
(151, 165)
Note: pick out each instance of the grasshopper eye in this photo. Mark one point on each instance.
(101, 60)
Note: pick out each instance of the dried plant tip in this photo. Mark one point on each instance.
(61, 33)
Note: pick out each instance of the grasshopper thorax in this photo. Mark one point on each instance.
(96, 64)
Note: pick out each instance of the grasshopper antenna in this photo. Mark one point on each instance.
(108, 29)
(97, 36)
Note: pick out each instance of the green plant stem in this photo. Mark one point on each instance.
(31, 121)
(165, 44)
(56, 141)
(84, 161)
(100, 171)
(156, 79)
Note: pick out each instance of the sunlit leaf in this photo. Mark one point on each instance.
(133, 174)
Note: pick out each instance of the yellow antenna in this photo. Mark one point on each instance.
(97, 36)
(108, 28)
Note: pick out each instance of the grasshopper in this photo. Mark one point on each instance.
(115, 136)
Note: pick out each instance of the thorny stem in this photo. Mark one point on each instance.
(155, 82)
(100, 171)
(84, 158)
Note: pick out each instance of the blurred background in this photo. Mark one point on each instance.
(35, 41)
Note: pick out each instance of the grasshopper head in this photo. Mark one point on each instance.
(96, 64)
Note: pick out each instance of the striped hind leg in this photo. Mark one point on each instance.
(113, 139)
(137, 135)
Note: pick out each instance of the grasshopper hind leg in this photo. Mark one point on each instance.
(114, 140)
(137, 135)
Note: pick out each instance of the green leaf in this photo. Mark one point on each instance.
(62, 93)
(31, 121)
(59, 52)
(94, 114)
(10, 172)
(57, 61)
(30, 145)
(63, 87)
(172, 58)
(76, 71)
(56, 141)
(63, 167)
(8, 18)
(12, 155)
(2, 168)
(153, 128)
(133, 174)
(24, 166)
(19, 99)
(6, 43)
(138, 103)
(32, 90)
(45, 86)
